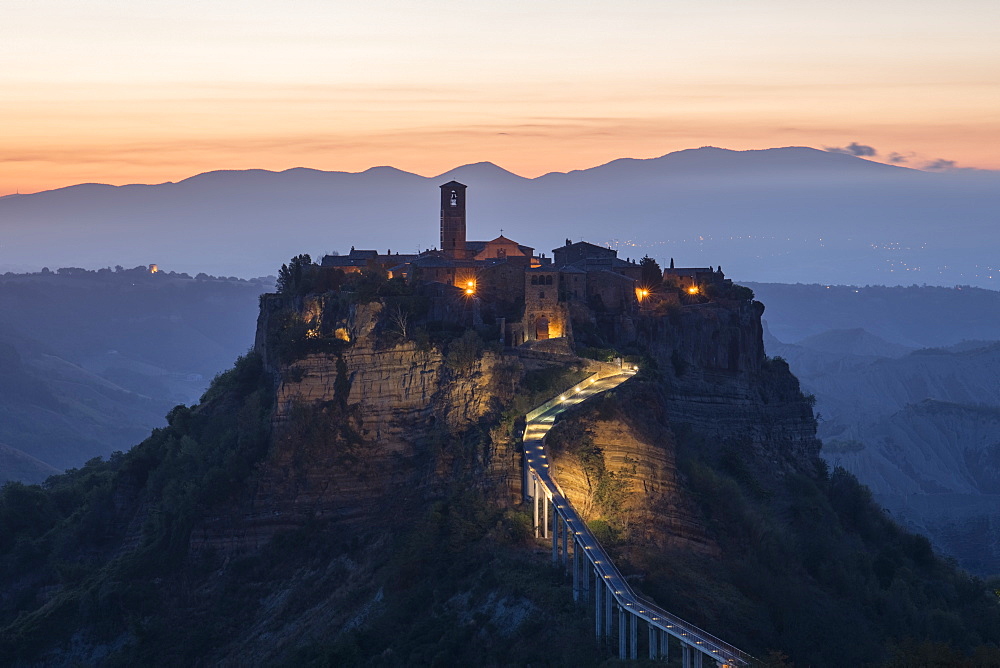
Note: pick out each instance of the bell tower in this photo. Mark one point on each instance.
(453, 220)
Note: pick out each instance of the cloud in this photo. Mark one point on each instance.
(940, 164)
(899, 158)
(854, 148)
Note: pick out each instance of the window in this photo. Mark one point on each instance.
(454, 198)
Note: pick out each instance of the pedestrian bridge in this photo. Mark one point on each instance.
(596, 581)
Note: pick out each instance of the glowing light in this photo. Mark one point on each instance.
(341, 333)
(693, 290)
(641, 293)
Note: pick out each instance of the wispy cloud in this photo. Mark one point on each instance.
(855, 149)
(940, 164)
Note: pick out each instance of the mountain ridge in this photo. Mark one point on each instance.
(782, 214)
(699, 154)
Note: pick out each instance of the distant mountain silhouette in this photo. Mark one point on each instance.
(784, 214)
(17, 465)
(853, 342)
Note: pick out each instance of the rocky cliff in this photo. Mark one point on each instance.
(718, 382)
(364, 434)
(349, 495)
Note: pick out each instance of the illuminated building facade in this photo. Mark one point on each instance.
(532, 298)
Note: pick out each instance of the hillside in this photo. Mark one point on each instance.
(17, 465)
(916, 425)
(353, 497)
(90, 362)
(787, 214)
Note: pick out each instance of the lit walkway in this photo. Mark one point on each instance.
(595, 577)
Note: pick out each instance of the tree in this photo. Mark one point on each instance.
(650, 273)
(293, 277)
(400, 320)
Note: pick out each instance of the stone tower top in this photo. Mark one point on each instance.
(453, 220)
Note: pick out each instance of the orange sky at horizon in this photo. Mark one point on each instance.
(100, 92)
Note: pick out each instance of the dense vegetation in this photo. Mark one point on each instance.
(807, 563)
(100, 558)
(61, 543)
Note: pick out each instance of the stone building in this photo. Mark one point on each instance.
(532, 298)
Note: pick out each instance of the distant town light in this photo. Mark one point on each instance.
(693, 290)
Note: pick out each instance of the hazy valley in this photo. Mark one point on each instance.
(90, 362)
(914, 410)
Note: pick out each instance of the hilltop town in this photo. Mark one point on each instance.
(582, 294)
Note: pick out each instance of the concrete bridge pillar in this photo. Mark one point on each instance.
(622, 633)
(633, 637)
(686, 656)
(555, 535)
(527, 482)
(565, 548)
(654, 637)
(664, 644)
(534, 494)
(598, 608)
(545, 519)
(585, 569)
(576, 570)
(608, 598)
(698, 656)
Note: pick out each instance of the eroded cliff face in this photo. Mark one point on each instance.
(371, 432)
(719, 383)
(366, 430)
(709, 384)
(616, 462)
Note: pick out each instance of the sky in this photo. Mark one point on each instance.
(152, 91)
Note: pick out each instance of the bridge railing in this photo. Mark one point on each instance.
(555, 401)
